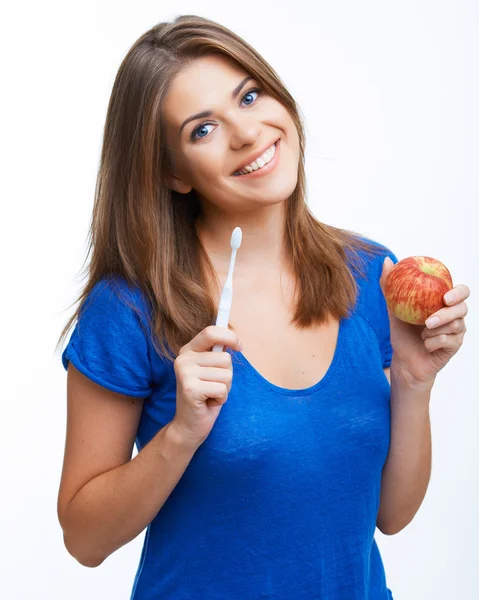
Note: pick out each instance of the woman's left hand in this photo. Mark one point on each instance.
(421, 352)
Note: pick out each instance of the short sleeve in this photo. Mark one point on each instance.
(109, 344)
(380, 320)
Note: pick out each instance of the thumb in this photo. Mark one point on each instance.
(387, 266)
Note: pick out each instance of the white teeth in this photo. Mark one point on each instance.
(260, 162)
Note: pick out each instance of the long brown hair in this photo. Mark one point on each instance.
(145, 232)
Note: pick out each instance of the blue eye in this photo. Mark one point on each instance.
(197, 129)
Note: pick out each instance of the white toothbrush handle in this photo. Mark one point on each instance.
(223, 316)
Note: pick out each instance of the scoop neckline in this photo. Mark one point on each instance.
(302, 391)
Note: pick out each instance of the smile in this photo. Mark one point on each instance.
(263, 165)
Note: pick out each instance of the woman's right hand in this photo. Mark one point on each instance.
(203, 382)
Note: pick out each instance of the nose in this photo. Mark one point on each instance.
(244, 131)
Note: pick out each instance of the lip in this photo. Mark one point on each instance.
(253, 157)
(267, 168)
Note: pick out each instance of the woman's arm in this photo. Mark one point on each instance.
(407, 470)
(115, 507)
(106, 498)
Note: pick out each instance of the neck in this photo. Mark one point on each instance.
(262, 244)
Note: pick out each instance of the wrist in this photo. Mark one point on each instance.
(404, 379)
(181, 438)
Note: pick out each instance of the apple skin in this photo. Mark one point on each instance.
(415, 287)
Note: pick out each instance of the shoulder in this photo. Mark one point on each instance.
(110, 342)
(367, 263)
(371, 304)
(112, 314)
(113, 288)
(113, 296)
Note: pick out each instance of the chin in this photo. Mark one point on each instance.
(276, 188)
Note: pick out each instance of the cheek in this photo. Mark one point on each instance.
(292, 133)
(286, 123)
(282, 115)
(206, 172)
(207, 160)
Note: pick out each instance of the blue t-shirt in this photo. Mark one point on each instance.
(280, 501)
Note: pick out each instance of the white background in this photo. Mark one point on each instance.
(390, 96)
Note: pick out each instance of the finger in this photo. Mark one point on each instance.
(446, 315)
(210, 336)
(459, 293)
(451, 341)
(456, 326)
(213, 359)
(213, 389)
(215, 374)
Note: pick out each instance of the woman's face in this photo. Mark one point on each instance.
(210, 149)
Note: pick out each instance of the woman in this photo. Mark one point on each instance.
(268, 484)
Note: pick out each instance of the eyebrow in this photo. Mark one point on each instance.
(209, 113)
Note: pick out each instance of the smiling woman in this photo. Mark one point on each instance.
(278, 495)
(242, 127)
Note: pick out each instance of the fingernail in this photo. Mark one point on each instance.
(450, 297)
(432, 322)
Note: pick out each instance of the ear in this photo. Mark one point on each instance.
(178, 185)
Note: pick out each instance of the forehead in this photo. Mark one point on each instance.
(200, 86)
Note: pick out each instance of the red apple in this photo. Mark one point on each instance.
(415, 287)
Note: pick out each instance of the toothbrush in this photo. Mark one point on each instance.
(226, 298)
